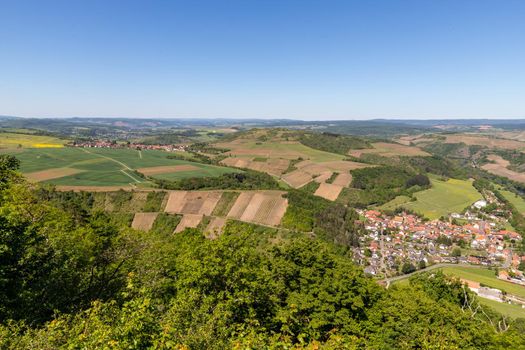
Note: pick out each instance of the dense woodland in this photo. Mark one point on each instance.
(72, 278)
(246, 180)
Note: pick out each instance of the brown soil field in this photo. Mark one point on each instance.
(329, 191)
(390, 150)
(265, 207)
(215, 226)
(314, 169)
(144, 221)
(240, 205)
(253, 207)
(271, 166)
(50, 174)
(343, 179)
(323, 177)
(156, 170)
(297, 178)
(512, 135)
(176, 202)
(485, 141)
(188, 220)
(210, 202)
(195, 202)
(345, 166)
(271, 210)
(500, 168)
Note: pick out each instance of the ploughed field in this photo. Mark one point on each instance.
(95, 167)
(499, 166)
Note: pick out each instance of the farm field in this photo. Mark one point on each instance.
(263, 207)
(106, 167)
(517, 201)
(280, 149)
(443, 198)
(487, 277)
(510, 310)
(487, 141)
(499, 167)
(188, 221)
(328, 191)
(144, 221)
(10, 140)
(390, 150)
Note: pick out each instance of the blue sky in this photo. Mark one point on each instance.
(246, 58)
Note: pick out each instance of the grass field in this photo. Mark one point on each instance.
(287, 150)
(517, 201)
(443, 198)
(511, 310)
(485, 276)
(15, 140)
(488, 278)
(105, 167)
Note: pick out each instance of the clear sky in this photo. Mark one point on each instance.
(247, 58)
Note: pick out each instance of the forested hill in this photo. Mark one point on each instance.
(73, 278)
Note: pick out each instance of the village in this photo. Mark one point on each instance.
(406, 242)
(130, 145)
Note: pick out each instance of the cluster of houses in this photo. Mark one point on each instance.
(392, 241)
(138, 146)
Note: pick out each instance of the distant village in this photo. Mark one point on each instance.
(130, 145)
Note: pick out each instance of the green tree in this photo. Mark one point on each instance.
(408, 268)
(456, 252)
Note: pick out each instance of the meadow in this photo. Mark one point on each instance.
(102, 166)
(277, 148)
(517, 201)
(486, 277)
(443, 198)
(511, 310)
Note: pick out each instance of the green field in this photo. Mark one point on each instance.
(310, 153)
(106, 167)
(443, 198)
(517, 201)
(10, 140)
(485, 276)
(488, 278)
(511, 310)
